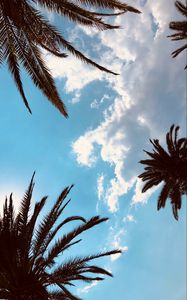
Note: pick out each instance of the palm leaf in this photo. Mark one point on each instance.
(27, 267)
(171, 168)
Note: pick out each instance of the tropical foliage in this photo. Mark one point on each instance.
(29, 268)
(24, 32)
(180, 27)
(167, 167)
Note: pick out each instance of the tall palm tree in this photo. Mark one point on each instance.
(24, 31)
(29, 268)
(180, 27)
(167, 167)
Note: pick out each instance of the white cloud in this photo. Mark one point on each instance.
(105, 97)
(140, 197)
(84, 148)
(97, 103)
(129, 218)
(117, 243)
(76, 98)
(86, 289)
(100, 190)
(147, 102)
(141, 120)
(76, 73)
(162, 12)
(117, 188)
(100, 186)
(110, 151)
(114, 150)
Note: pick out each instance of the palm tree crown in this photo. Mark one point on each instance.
(180, 27)
(169, 167)
(28, 265)
(24, 31)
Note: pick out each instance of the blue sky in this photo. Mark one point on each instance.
(111, 119)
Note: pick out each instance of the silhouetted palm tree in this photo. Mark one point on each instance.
(24, 31)
(169, 167)
(29, 268)
(181, 27)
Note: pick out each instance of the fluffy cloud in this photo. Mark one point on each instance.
(73, 70)
(83, 147)
(117, 146)
(140, 197)
(147, 102)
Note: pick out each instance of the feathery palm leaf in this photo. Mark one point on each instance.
(24, 31)
(180, 27)
(168, 167)
(28, 253)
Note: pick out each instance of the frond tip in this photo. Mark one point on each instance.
(29, 249)
(169, 167)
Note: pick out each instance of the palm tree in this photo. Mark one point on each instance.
(24, 32)
(28, 255)
(167, 167)
(180, 27)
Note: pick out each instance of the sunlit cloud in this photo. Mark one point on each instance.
(117, 243)
(73, 71)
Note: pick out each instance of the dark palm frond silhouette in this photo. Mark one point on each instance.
(180, 27)
(28, 254)
(167, 167)
(24, 31)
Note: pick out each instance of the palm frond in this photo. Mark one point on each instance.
(171, 168)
